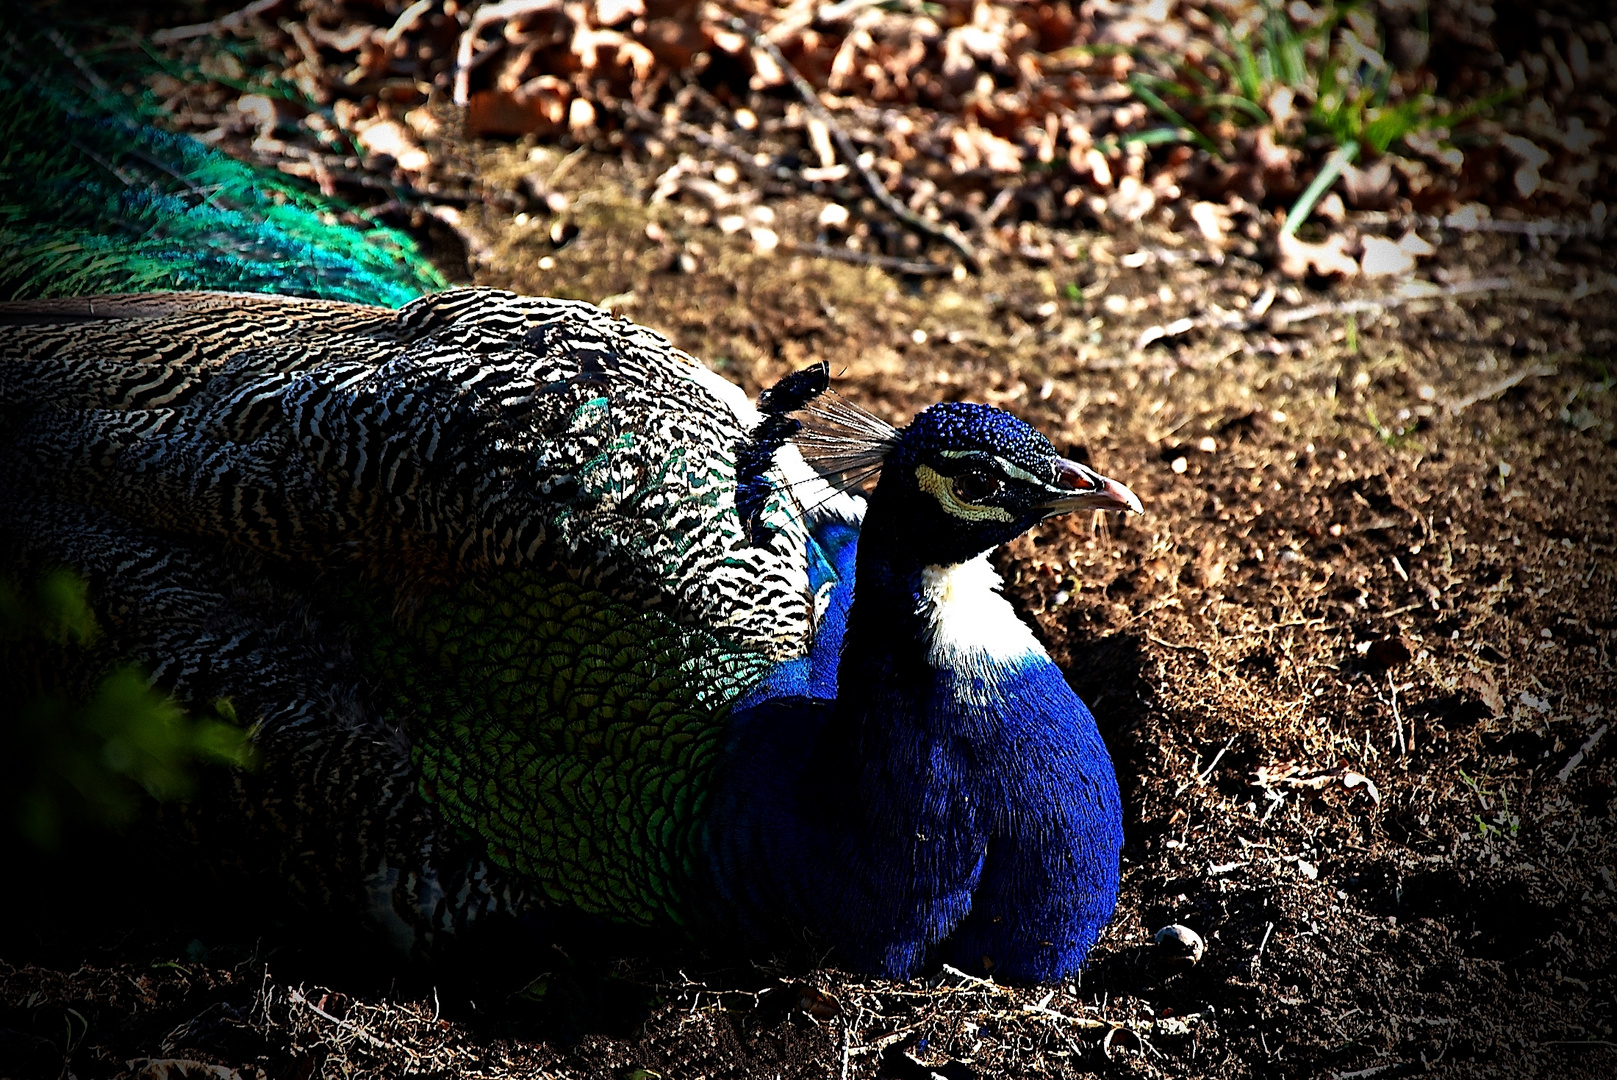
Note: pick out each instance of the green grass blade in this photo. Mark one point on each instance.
(1164, 110)
(1340, 159)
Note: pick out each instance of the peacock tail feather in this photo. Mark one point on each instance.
(576, 735)
(100, 200)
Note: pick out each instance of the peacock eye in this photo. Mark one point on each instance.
(976, 486)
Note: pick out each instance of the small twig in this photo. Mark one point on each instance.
(1493, 390)
(811, 98)
(1563, 230)
(1410, 292)
(1201, 777)
(1425, 290)
(407, 20)
(1397, 718)
(1577, 759)
(1580, 1042)
(917, 267)
(234, 21)
(1262, 945)
(991, 984)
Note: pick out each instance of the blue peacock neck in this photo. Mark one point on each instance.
(953, 796)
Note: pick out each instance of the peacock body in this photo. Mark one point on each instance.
(530, 611)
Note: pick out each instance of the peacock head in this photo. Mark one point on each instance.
(962, 479)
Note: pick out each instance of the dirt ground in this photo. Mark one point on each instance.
(1355, 666)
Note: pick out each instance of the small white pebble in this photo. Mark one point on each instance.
(1278, 417)
(918, 336)
(1184, 944)
(764, 241)
(1207, 445)
(1427, 393)
(726, 173)
(833, 215)
(547, 263)
(1179, 465)
(520, 219)
(731, 223)
(746, 119)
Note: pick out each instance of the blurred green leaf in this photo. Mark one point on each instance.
(89, 758)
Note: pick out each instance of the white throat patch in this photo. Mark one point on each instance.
(969, 625)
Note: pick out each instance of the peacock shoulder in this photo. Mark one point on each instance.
(470, 433)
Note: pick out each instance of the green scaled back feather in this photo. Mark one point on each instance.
(574, 734)
(97, 201)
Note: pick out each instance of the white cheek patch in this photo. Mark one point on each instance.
(941, 488)
(970, 627)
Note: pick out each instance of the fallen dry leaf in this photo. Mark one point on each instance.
(1382, 257)
(1212, 219)
(393, 139)
(1325, 258)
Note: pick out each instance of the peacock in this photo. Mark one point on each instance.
(525, 610)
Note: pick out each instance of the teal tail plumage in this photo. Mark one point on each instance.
(98, 199)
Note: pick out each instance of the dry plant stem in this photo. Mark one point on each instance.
(1493, 390)
(1278, 320)
(1583, 751)
(811, 98)
(917, 267)
(1550, 227)
(233, 21)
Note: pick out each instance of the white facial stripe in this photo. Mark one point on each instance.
(1018, 473)
(941, 488)
(1015, 472)
(970, 627)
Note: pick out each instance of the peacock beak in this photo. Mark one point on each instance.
(1082, 488)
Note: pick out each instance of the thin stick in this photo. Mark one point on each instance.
(918, 267)
(949, 234)
(1411, 292)
(1202, 777)
(1493, 390)
(1577, 759)
(233, 21)
(1397, 720)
